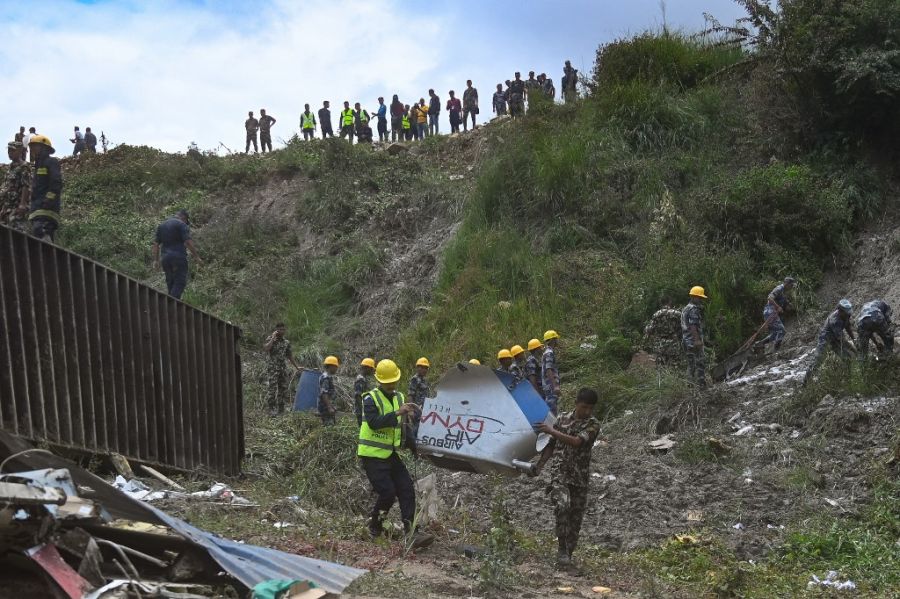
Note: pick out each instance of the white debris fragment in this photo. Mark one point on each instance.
(628, 412)
(744, 431)
(282, 524)
(773, 527)
(734, 418)
(795, 434)
(830, 580)
(738, 526)
(456, 177)
(587, 346)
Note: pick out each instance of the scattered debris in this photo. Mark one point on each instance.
(601, 590)
(456, 177)
(162, 478)
(745, 430)
(663, 444)
(694, 515)
(282, 524)
(565, 590)
(773, 527)
(738, 526)
(718, 446)
(588, 346)
(121, 465)
(686, 539)
(830, 580)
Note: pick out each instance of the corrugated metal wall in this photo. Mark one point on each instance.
(92, 359)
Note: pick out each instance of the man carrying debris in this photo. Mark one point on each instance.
(325, 120)
(875, 321)
(517, 368)
(15, 192)
(517, 96)
(347, 121)
(832, 336)
(470, 105)
(172, 237)
(278, 349)
(327, 394)
(533, 365)
(549, 371)
(46, 189)
(692, 335)
(251, 125)
(777, 303)
(361, 385)
(572, 439)
(308, 123)
(380, 438)
(265, 130)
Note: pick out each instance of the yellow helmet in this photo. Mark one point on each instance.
(368, 362)
(423, 361)
(43, 140)
(551, 334)
(534, 344)
(503, 353)
(698, 291)
(332, 361)
(387, 371)
(474, 362)
(515, 350)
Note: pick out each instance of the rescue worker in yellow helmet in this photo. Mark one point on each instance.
(46, 191)
(505, 359)
(361, 385)
(517, 368)
(380, 439)
(550, 371)
(327, 395)
(533, 365)
(419, 391)
(692, 335)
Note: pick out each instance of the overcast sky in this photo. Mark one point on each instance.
(165, 73)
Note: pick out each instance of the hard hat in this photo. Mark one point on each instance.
(423, 361)
(332, 361)
(43, 140)
(534, 344)
(790, 280)
(474, 362)
(697, 291)
(551, 334)
(504, 353)
(368, 362)
(845, 306)
(387, 371)
(515, 350)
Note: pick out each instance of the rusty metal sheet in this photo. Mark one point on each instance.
(91, 359)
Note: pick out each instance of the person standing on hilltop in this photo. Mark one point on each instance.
(15, 191)
(278, 349)
(251, 125)
(692, 335)
(173, 237)
(90, 141)
(381, 115)
(347, 122)
(569, 82)
(454, 108)
(265, 130)
(78, 140)
(20, 136)
(325, 120)
(26, 141)
(46, 189)
(532, 86)
(499, 101)
(470, 105)
(434, 113)
(422, 119)
(308, 123)
(517, 96)
(776, 304)
(397, 111)
(547, 86)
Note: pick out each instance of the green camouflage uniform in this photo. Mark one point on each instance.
(18, 178)
(570, 476)
(277, 375)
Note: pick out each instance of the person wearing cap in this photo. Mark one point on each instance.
(776, 304)
(533, 365)
(278, 349)
(505, 359)
(361, 385)
(380, 439)
(172, 237)
(475, 362)
(874, 323)
(327, 394)
(517, 368)
(15, 190)
(46, 189)
(692, 335)
(419, 389)
(550, 371)
(831, 336)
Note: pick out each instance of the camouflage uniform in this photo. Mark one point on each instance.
(265, 131)
(277, 377)
(516, 97)
(831, 336)
(570, 476)
(533, 369)
(18, 179)
(252, 126)
(875, 319)
(499, 103)
(532, 86)
(326, 387)
(418, 390)
(661, 336)
(360, 386)
(550, 380)
(470, 106)
(776, 326)
(517, 372)
(692, 316)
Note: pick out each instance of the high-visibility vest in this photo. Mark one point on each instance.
(308, 120)
(363, 117)
(383, 442)
(404, 121)
(347, 117)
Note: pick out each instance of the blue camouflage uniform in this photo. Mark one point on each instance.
(550, 379)
(831, 336)
(776, 326)
(326, 388)
(517, 372)
(692, 316)
(360, 386)
(875, 319)
(533, 369)
(418, 390)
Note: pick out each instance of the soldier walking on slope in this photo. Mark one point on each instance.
(15, 192)
(170, 245)
(692, 335)
(831, 336)
(875, 321)
(278, 349)
(251, 125)
(776, 304)
(265, 130)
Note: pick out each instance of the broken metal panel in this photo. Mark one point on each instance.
(480, 422)
(93, 360)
